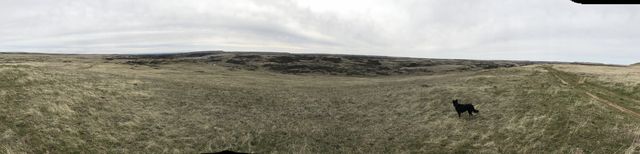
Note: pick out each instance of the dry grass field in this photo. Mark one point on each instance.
(86, 104)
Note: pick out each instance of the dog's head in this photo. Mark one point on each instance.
(455, 101)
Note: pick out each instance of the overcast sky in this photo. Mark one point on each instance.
(471, 29)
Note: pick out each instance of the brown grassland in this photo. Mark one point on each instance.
(85, 104)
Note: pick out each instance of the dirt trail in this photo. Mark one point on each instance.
(554, 72)
(613, 104)
(561, 80)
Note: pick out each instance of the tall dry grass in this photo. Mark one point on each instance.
(69, 107)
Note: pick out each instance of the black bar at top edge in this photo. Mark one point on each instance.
(607, 1)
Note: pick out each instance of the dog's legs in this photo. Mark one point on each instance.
(459, 115)
(470, 114)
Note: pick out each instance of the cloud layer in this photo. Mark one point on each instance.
(511, 29)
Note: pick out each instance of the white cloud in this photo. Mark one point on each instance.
(511, 29)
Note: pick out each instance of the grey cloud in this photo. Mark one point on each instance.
(512, 29)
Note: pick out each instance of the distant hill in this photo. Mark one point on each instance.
(330, 64)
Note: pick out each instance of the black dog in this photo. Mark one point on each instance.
(461, 108)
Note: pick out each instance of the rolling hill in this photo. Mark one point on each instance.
(290, 103)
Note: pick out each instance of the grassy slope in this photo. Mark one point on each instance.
(86, 106)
